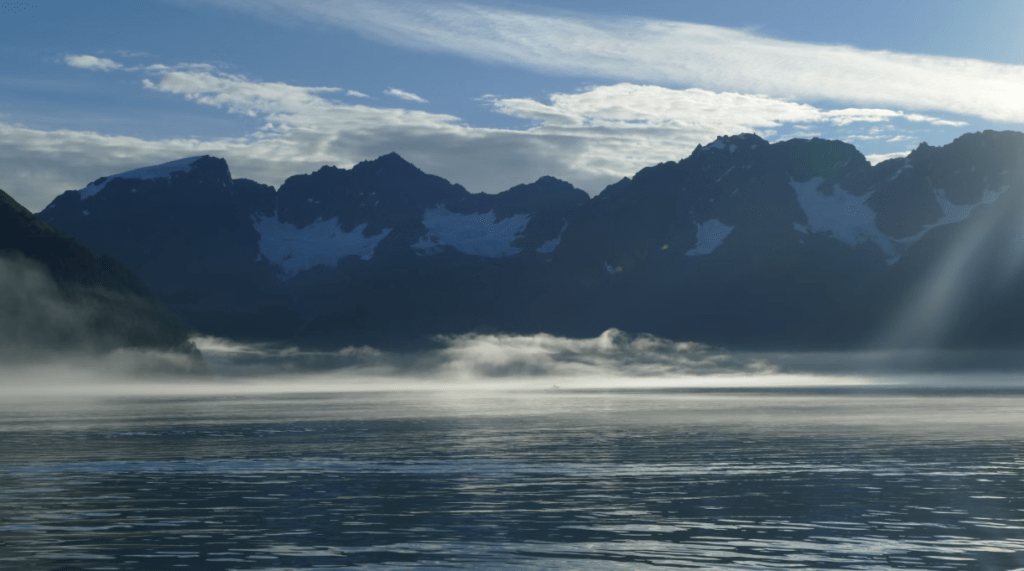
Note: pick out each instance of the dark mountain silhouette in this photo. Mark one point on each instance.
(800, 243)
(57, 296)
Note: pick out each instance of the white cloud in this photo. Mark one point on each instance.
(404, 95)
(92, 62)
(933, 120)
(649, 106)
(354, 93)
(675, 53)
(848, 116)
(240, 95)
(591, 138)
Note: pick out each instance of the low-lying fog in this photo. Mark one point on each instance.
(543, 374)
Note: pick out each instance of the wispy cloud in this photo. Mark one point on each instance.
(934, 121)
(353, 93)
(92, 62)
(590, 138)
(676, 54)
(239, 95)
(404, 95)
(629, 105)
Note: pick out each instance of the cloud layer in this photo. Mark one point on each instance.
(590, 138)
(676, 54)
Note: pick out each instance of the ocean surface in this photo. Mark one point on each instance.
(734, 474)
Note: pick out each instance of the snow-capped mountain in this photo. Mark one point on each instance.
(390, 207)
(235, 257)
(794, 243)
(802, 241)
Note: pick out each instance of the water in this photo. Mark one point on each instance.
(704, 475)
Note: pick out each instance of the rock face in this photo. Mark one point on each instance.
(56, 296)
(744, 243)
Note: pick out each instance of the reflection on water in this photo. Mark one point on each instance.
(723, 477)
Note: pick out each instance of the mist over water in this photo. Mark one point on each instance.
(514, 452)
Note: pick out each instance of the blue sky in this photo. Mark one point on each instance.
(486, 94)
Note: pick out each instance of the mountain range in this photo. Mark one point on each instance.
(744, 243)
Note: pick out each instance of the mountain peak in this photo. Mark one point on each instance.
(749, 138)
(732, 143)
(163, 170)
(389, 165)
(392, 160)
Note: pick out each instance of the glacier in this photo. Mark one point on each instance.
(473, 234)
(321, 243)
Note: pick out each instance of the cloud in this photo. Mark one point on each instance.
(651, 106)
(92, 62)
(933, 120)
(239, 95)
(404, 95)
(590, 138)
(353, 93)
(674, 53)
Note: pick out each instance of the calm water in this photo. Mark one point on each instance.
(703, 477)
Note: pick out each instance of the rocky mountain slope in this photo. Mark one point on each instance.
(56, 296)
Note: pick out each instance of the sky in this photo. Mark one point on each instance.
(485, 94)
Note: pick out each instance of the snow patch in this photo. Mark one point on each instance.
(473, 234)
(959, 212)
(732, 149)
(156, 171)
(710, 235)
(550, 245)
(321, 243)
(953, 213)
(716, 145)
(844, 215)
